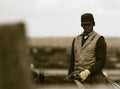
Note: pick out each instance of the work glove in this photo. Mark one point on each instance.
(84, 74)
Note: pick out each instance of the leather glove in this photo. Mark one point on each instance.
(84, 74)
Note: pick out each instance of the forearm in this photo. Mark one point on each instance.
(97, 67)
(72, 60)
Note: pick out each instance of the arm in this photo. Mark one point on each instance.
(100, 51)
(72, 60)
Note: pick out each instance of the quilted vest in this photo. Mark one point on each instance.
(85, 55)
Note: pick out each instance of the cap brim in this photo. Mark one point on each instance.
(86, 22)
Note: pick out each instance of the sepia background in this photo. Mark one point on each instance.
(50, 28)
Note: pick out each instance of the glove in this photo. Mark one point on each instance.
(84, 74)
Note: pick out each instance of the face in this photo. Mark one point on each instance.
(87, 26)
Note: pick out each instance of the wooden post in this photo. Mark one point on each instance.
(14, 71)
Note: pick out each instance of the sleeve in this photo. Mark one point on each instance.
(72, 59)
(100, 53)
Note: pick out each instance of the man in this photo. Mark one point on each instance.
(88, 54)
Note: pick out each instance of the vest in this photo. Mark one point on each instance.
(85, 55)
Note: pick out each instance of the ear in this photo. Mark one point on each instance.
(93, 23)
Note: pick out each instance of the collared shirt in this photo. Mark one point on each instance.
(85, 37)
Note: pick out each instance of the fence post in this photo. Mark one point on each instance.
(14, 70)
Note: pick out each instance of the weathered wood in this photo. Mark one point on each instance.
(14, 71)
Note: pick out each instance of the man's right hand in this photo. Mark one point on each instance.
(84, 74)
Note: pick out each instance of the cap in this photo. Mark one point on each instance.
(87, 17)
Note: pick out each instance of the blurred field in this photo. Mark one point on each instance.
(66, 41)
(52, 55)
(45, 52)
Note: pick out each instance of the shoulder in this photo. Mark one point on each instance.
(78, 36)
(101, 41)
(101, 38)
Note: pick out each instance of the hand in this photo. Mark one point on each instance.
(84, 74)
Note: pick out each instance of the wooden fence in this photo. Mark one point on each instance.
(14, 70)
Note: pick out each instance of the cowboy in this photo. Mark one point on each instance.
(88, 55)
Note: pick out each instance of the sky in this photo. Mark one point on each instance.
(61, 18)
